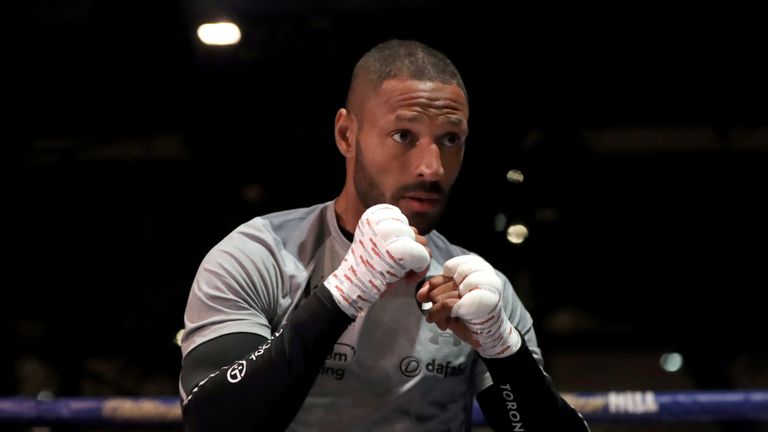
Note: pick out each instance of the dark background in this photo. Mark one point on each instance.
(130, 149)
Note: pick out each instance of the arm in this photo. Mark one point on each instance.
(266, 388)
(522, 397)
(467, 299)
(210, 356)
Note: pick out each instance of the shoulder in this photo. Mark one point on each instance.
(278, 238)
(274, 228)
(296, 216)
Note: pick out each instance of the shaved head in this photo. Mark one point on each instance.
(403, 59)
(402, 133)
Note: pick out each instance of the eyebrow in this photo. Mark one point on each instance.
(410, 118)
(455, 120)
(415, 118)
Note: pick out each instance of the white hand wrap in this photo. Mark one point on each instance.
(480, 306)
(384, 249)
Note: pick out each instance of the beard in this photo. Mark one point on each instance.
(370, 194)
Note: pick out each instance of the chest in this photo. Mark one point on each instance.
(392, 346)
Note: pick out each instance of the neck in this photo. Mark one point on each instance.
(348, 210)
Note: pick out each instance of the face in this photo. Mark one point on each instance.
(409, 148)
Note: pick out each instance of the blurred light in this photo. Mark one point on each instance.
(671, 362)
(515, 176)
(517, 233)
(45, 395)
(499, 222)
(177, 339)
(220, 33)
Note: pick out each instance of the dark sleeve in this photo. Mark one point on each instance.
(523, 398)
(264, 389)
(208, 357)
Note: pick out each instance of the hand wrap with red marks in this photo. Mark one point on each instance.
(383, 250)
(480, 305)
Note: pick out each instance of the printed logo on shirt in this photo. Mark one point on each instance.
(438, 336)
(336, 363)
(236, 372)
(411, 366)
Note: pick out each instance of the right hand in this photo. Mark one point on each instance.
(384, 250)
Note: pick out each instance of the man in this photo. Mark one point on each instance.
(313, 319)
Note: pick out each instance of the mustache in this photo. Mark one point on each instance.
(428, 187)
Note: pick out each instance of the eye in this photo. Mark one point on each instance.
(403, 136)
(452, 140)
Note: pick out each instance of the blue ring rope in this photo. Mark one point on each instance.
(596, 407)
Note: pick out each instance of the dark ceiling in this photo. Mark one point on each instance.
(132, 148)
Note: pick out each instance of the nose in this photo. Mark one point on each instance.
(430, 163)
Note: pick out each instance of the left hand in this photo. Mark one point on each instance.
(467, 299)
(443, 293)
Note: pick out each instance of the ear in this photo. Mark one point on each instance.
(345, 132)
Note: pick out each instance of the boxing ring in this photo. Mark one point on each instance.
(596, 407)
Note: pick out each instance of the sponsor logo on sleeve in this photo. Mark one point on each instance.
(236, 372)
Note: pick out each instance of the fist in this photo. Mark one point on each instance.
(384, 250)
(479, 306)
(383, 228)
(479, 287)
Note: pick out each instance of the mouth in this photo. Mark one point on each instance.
(422, 202)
